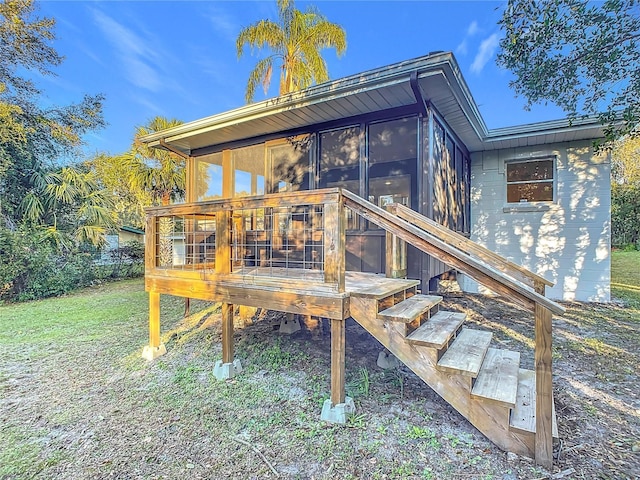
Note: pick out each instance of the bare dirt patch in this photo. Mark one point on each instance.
(91, 408)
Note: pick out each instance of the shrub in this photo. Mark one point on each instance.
(32, 269)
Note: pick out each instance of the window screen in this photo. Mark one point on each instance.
(530, 181)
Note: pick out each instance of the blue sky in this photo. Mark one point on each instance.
(178, 58)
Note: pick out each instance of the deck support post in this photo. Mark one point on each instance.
(544, 388)
(227, 367)
(289, 324)
(338, 407)
(155, 348)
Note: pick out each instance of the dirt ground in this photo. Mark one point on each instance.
(94, 409)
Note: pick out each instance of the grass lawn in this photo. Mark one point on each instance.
(77, 401)
(625, 277)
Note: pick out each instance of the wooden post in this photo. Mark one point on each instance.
(227, 333)
(334, 244)
(154, 320)
(150, 244)
(395, 257)
(544, 388)
(337, 362)
(223, 242)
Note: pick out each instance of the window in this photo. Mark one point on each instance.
(393, 162)
(339, 164)
(340, 159)
(208, 177)
(290, 165)
(249, 168)
(530, 181)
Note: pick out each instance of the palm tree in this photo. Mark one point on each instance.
(295, 40)
(160, 173)
(68, 207)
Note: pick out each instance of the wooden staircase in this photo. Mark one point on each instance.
(486, 385)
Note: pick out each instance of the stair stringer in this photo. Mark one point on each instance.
(491, 419)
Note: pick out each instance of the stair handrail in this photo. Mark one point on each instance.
(497, 281)
(472, 248)
(476, 268)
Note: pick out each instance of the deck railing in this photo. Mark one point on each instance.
(489, 269)
(268, 238)
(258, 238)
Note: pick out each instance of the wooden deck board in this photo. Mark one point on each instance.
(371, 285)
(498, 377)
(300, 291)
(523, 415)
(466, 353)
(410, 309)
(437, 331)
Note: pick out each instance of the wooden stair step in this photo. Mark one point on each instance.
(523, 415)
(466, 353)
(438, 330)
(410, 309)
(498, 377)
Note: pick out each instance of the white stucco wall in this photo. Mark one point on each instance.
(567, 241)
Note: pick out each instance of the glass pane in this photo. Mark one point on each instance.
(440, 161)
(340, 159)
(460, 188)
(290, 165)
(526, 171)
(393, 162)
(249, 167)
(208, 172)
(530, 192)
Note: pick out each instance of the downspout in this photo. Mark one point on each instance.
(417, 93)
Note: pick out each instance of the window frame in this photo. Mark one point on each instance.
(553, 180)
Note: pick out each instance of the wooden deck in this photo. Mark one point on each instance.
(301, 291)
(409, 325)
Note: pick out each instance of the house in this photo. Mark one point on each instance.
(120, 238)
(300, 202)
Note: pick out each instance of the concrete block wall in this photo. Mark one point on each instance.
(566, 241)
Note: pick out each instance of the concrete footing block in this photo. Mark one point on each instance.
(225, 371)
(387, 361)
(289, 325)
(337, 413)
(151, 353)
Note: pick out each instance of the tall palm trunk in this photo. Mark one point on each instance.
(165, 237)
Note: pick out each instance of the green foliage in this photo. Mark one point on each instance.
(581, 55)
(141, 177)
(32, 268)
(63, 206)
(625, 215)
(295, 41)
(625, 279)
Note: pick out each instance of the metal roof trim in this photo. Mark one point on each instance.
(545, 128)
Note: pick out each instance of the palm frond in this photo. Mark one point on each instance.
(31, 208)
(264, 33)
(261, 74)
(93, 234)
(60, 239)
